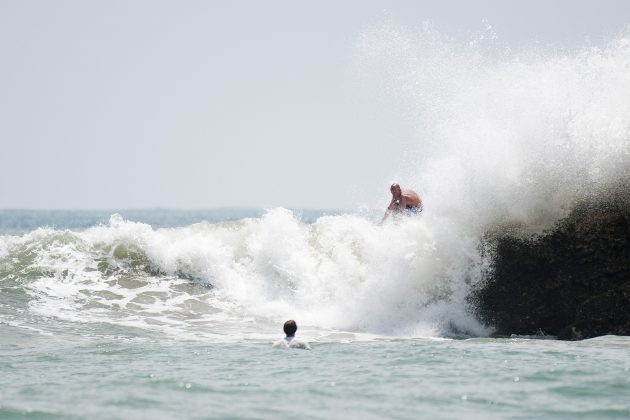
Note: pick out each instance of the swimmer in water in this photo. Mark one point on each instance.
(289, 342)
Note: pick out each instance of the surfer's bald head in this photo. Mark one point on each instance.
(290, 327)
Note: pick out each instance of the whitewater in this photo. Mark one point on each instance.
(133, 316)
(340, 273)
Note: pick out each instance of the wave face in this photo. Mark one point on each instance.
(339, 273)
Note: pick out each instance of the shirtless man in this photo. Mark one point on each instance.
(403, 200)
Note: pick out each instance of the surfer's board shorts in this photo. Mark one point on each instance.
(414, 210)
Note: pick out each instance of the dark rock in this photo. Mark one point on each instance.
(572, 282)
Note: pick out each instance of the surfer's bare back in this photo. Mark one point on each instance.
(403, 200)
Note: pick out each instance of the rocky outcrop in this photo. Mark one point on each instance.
(572, 282)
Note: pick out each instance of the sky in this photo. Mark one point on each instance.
(205, 104)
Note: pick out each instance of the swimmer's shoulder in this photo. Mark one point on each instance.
(281, 343)
(297, 344)
(292, 344)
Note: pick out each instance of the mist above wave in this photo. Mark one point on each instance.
(503, 136)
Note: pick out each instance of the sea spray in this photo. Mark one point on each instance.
(503, 136)
(506, 142)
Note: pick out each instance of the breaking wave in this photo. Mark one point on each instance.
(339, 273)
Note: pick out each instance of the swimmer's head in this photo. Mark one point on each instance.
(290, 327)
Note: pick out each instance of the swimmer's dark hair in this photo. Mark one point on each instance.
(290, 327)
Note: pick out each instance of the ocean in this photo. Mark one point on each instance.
(172, 314)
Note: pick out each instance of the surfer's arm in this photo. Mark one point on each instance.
(394, 206)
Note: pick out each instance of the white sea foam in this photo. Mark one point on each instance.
(339, 273)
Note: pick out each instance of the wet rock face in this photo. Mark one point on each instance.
(573, 282)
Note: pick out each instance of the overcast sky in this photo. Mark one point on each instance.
(202, 104)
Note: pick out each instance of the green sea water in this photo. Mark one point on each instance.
(66, 375)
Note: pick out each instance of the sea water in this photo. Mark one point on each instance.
(126, 320)
(168, 314)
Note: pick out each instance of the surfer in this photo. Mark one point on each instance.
(289, 342)
(403, 201)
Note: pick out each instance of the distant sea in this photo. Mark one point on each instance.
(166, 314)
(21, 221)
